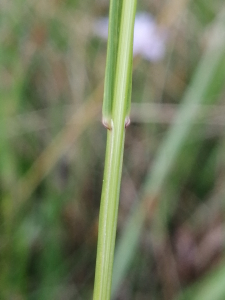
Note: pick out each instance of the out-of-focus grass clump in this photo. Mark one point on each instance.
(52, 147)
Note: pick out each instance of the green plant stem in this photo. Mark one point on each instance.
(114, 155)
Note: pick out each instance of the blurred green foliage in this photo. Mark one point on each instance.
(52, 147)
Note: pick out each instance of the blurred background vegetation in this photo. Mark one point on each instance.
(52, 147)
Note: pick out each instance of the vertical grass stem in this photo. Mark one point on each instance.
(114, 154)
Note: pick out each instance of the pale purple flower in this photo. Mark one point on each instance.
(149, 39)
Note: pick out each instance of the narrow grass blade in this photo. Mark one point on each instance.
(112, 50)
